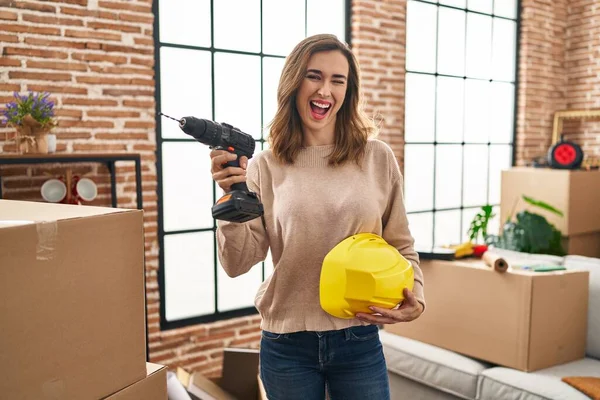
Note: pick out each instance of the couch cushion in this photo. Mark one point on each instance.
(592, 265)
(510, 384)
(430, 365)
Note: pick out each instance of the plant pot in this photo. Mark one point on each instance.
(32, 137)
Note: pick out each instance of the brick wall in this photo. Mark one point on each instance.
(378, 40)
(96, 58)
(559, 69)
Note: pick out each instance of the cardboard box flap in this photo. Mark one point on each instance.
(15, 212)
(153, 368)
(202, 387)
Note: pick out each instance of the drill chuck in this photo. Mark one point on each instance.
(202, 130)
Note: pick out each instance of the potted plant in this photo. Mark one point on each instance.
(528, 232)
(32, 116)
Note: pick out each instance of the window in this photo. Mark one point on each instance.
(461, 58)
(218, 60)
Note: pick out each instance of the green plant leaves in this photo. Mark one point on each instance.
(543, 205)
(479, 223)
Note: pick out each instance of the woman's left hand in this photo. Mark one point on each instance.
(409, 310)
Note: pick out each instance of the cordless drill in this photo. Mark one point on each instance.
(240, 204)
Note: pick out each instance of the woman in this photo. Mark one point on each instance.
(323, 179)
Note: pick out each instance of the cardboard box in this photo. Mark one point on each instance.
(518, 319)
(583, 244)
(239, 381)
(152, 387)
(71, 300)
(575, 192)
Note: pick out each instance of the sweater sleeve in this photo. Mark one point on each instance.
(240, 246)
(396, 230)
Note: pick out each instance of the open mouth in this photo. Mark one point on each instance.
(319, 108)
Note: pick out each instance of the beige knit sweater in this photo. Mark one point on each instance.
(309, 208)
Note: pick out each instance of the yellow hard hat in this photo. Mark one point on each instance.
(363, 270)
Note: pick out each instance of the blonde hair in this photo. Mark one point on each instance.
(352, 126)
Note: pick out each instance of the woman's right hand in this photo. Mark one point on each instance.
(227, 176)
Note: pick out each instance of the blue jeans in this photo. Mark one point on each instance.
(348, 362)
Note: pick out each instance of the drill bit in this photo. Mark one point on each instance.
(174, 119)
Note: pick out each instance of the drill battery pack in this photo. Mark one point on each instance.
(238, 206)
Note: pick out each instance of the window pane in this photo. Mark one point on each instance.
(283, 25)
(238, 292)
(447, 228)
(418, 177)
(448, 172)
(421, 228)
(420, 107)
(479, 45)
(420, 36)
(477, 111)
(506, 8)
(475, 175)
(455, 3)
(500, 159)
(484, 6)
(503, 113)
(451, 42)
(326, 17)
(271, 73)
(239, 30)
(449, 120)
(269, 267)
(189, 275)
(187, 186)
(503, 50)
(237, 91)
(184, 69)
(185, 22)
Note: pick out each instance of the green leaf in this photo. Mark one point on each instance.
(543, 205)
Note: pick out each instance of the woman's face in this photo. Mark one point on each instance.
(322, 91)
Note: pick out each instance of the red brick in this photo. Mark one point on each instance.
(29, 29)
(57, 89)
(143, 8)
(45, 19)
(83, 34)
(88, 102)
(128, 92)
(18, 51)
(36, 41)
(8, 38)
(114, 27)
(63, 66)
(140, 124)
(147, 19)
(99, 147)
(8, 15)
(35, 6)
(106, 69)
(138, 103)
(113, 113)
(100, 57)
(40, 76)
(10, 87)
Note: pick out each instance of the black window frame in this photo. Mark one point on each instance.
(158, 44)
(436, 143)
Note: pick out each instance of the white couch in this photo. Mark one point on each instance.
(419, 371)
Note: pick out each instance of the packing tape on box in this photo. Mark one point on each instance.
(47, 234)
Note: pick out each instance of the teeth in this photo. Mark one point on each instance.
(321, 105)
